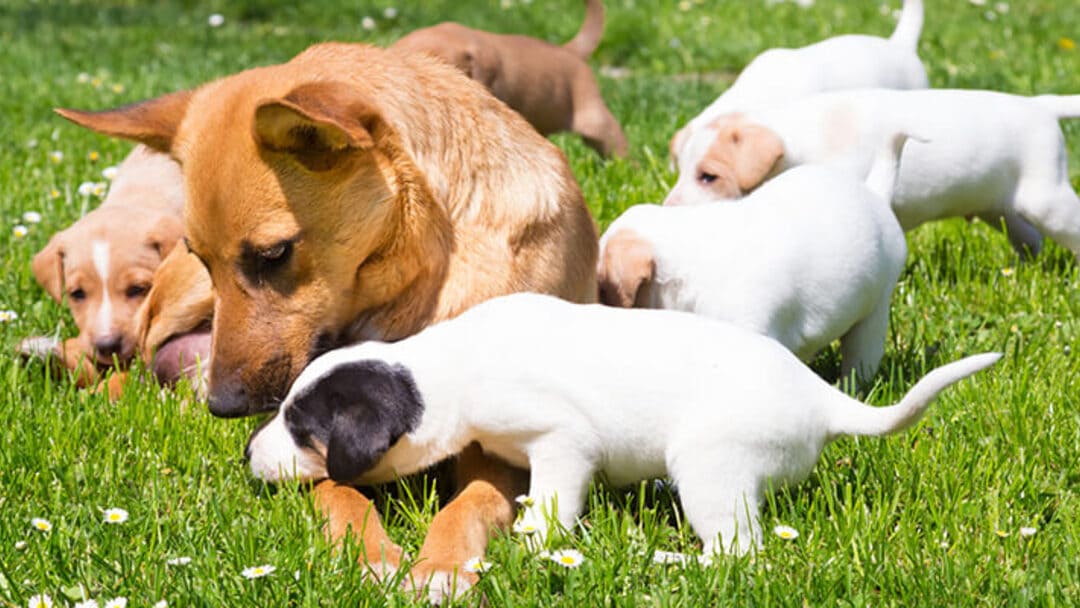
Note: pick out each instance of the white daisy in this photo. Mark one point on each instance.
(161, 604)
(116, 602)
(109, 173)
(524, 500)
(82, 78)
(367, 23)
(56, 157)
(1028, 531)
(40, 601)
(20, 545)
(786, 532)
(567, 558)
(669, 557)
(42, 525)
(86, 604)
(258, 571)
(100, 188)
(86, 188)
(216, 20)
(521, 527)
(115, 516)
(179, 561)
(31, 217)
(20, 231)
(7, 316)
(476, 565)
(390, 12)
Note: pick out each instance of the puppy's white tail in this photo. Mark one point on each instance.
(588, 37)
(851, 417)
(883, 173)
(1065, 106)
(909, 26)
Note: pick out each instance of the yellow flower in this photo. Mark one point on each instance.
(1066, 44)
(476, 565)
(20, 231)
(258, 571)
(117, 88)
(115, 516)
(786, 532)
(1002, 533)
(40, 524)
(1007, 271)
(56, 157)
(93, 156)
(567, 558)
(54, 194)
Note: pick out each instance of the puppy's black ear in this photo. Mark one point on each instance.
(370, 405)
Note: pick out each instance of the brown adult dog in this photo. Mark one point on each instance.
(103, 265)
(356, 193)
(550, 85)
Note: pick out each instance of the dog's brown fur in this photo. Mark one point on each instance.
(355, 193)
(740, 159)
(627, 264)
(127, 237)
(550, 85)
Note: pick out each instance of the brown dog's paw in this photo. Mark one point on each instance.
(439, 583)
(39, 347)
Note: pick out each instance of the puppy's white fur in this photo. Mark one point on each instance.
(851, 61)
(997, 156)
(810, 257)
(569, 390)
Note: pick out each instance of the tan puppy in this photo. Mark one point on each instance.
(356, 193)
(103, 264)
(551, 86)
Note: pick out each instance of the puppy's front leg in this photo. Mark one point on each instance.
(345, 507)
(558, 486)
(460, 531)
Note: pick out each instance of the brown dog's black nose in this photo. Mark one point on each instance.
(107, 346)
(229, 400)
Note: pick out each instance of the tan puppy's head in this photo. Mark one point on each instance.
(627, 267)
(295, 209)
(723, 161)
(104, 263)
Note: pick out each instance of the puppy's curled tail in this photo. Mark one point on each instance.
(851, 417)
(588, 37)
(909, 26)
(1065, 106)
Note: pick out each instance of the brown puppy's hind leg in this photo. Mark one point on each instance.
(595, 122)
(347, 509)
(460, 531)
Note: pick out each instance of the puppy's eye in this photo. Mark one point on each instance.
(706, 178)
(136, 291)
(77, 295)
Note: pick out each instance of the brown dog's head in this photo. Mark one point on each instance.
(299, 209)
(723, 161)
(104, 263)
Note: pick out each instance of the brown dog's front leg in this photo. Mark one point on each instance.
(461, 530)
(346, 508)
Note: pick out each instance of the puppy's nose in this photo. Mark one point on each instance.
(229, 400)
(109, 345)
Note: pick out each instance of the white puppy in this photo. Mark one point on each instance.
(852, 61)
(992, 155)
(568, 390)
(810, 257)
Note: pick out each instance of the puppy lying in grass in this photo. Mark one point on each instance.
(568, 390)
(103, 265)
(810, 257)
(996, 156)
(852, 61)
(550, 85)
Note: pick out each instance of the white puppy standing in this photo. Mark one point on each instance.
(812, 256)
(852, 61)
(992, 155)
(568, 390)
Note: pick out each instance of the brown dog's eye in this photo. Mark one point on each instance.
(136, 291)
(77, 295)
(278, 254)
(706, 178)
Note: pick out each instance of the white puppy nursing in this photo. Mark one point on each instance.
(569, 390)
(987, 154)
(811, 256)
(852, 61)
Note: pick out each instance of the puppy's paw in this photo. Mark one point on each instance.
(439, 583)
(39, 347)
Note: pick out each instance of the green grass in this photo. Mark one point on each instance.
(908, 521)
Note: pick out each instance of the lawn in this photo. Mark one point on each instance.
(930, 517)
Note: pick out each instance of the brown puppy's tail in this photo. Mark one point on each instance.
(588, 37)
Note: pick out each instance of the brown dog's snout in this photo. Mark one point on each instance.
(229, 399)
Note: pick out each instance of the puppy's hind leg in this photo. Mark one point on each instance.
(720, 497)
(1026, 241)
(1055, 212)
(595, 122)
(862, 347)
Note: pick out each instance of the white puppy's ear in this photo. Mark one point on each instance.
(370, 405)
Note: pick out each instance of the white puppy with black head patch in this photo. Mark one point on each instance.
(993, 155)
(852, 61)
(569, 390)
(811, 256)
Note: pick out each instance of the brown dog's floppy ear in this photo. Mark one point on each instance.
(626, 265)
(318, 123)
(48, 267)
(366, 406)
(757, 152)
(152, 122)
